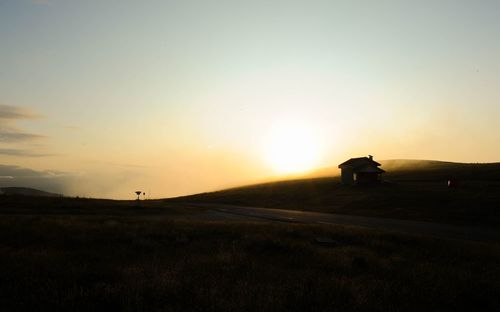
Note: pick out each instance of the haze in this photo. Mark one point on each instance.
(103, 98)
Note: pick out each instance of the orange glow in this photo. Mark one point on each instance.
(292, 147)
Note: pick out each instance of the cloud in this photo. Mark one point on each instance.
(22, 153)
(12, 134)
(121, 165)
(12, 139)
(93, 183)
(14, 112)
(20, 172)
(48, 180)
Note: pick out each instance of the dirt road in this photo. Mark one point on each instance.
(405, 226)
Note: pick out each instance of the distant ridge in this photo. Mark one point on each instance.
(434, 170)
(398, 167)
(26, 191)
(420, 163)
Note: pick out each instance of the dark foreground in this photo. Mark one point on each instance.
(94, 255)
(421, 228)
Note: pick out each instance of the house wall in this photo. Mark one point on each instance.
(347, 176)
(367, 178)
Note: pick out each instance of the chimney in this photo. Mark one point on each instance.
(370, 157)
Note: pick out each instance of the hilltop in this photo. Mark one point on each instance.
(425, 169)
(413, 189)
(26, 191)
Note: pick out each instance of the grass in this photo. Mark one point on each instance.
(68, 254)
(417, 192)
(118, 257)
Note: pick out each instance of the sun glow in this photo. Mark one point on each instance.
(292, 147)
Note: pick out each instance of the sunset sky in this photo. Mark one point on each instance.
(104, 97)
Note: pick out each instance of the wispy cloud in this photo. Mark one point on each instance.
(15, 112)
(13, 140)
(22, 153)
(82, 183)
(20, 172)
(122, 165)
(12, 134)
(48, 180)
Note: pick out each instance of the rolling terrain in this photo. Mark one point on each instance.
(205, 253)
(412, 189)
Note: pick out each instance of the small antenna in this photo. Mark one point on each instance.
(138, 193)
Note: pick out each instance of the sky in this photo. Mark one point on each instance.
(101, 98)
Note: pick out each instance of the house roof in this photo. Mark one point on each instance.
(368, 169)
(360, 161)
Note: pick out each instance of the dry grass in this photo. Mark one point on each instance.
(473, 203)
(83, 263)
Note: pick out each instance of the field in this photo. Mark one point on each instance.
(84, 255)
(412, 190)
(79, 254)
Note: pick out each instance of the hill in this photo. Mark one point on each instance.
(425, 169)
(94, 254)
(431, 170)
(414, 189)
(26, 191)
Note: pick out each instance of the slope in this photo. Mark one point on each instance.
(414, 189)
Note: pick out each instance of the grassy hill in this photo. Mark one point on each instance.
(404, 169)
(65, 254)
(414, 189)
(431, 170)
(26, 191)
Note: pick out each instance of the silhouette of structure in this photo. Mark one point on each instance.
(138, 193)
(361, 170)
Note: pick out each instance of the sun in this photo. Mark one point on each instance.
(292, 147)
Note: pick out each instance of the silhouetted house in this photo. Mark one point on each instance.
(361, 170)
